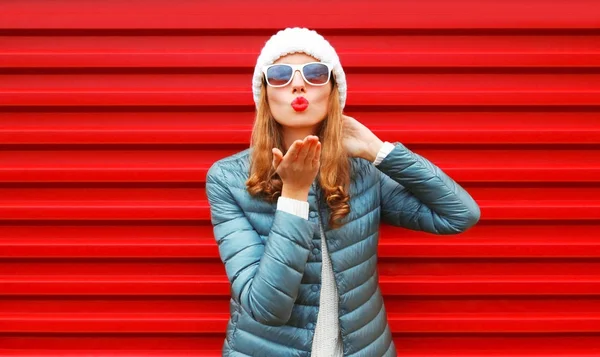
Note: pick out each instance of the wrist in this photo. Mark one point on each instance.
(373, 149)
(296, 194)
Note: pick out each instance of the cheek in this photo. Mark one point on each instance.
(275, 97)
(277, 104)
(322, 98)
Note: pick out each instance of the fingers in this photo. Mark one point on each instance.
(293, 151)
(316, 158)
(277, 157)
(307, 152)
(306, 148)
(310, 152)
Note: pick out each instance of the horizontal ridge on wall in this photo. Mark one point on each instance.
(490, 241)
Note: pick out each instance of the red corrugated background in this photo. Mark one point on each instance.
(111, 112)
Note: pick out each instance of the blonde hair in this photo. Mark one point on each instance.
(334, 173)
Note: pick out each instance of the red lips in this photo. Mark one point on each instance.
(300, 104)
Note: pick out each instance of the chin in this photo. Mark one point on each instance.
(292, 118)
(304, 121)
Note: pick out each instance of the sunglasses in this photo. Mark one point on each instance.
(314, 73)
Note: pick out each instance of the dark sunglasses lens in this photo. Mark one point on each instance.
(279, 75)
(316, 73)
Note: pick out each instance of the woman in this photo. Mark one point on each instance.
(296, 216)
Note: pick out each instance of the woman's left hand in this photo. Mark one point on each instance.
(359, 141)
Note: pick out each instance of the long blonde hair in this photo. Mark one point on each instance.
(334, 172)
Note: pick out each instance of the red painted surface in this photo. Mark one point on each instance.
(111, 113)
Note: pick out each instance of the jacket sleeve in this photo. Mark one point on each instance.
(418, 195)
(264, 277)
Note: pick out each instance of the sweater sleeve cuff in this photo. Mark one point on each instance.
(296, 207)
(386, 148)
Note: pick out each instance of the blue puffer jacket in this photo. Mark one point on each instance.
(273, 260)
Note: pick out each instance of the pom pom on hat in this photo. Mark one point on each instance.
(293, 40)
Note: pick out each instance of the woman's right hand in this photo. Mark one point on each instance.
(299, 167)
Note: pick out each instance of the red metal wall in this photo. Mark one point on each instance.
(111, 112)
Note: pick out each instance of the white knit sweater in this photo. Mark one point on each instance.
(327, 341)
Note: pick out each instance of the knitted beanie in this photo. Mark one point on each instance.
(293, 40)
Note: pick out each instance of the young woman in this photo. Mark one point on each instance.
(296, 216)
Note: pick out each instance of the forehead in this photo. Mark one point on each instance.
(296, 58)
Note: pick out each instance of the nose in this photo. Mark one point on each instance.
(298, 84)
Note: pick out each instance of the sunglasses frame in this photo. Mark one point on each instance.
(297, 67)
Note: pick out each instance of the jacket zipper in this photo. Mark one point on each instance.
(324, 241)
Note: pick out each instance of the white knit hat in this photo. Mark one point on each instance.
(296, 39)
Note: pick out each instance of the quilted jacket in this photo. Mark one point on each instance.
(273, 262)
